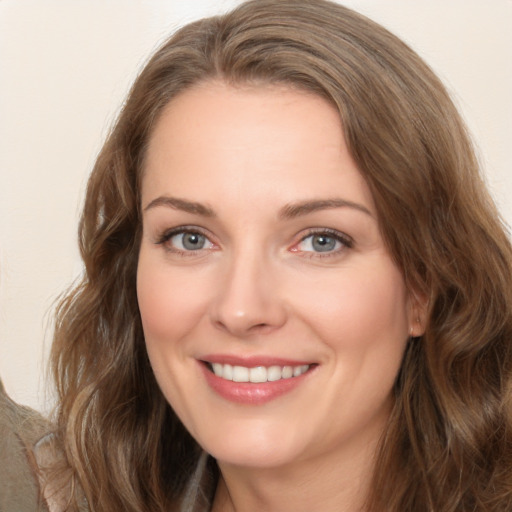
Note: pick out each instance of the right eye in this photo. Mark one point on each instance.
(188, 241)
(183, 240)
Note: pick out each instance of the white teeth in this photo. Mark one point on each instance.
(274, 373)
(227, 372)
(217, 369)
(240, 374)
(299, 370)
(287, 372)
(258, 373)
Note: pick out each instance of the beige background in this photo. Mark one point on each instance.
(65, 66)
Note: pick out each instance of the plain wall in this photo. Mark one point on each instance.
(65, 67)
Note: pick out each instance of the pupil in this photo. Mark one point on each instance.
(193, 241)
(323, 243)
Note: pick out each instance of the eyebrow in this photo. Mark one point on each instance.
(290, 211)
(181, 204)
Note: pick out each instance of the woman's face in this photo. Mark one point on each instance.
(275, 319)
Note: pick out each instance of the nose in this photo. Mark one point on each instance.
(249, 299)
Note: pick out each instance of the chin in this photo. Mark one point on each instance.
(259, 450)
(255, 459)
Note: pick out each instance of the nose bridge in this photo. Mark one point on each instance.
(248, 299)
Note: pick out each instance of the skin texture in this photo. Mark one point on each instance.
(259, 287)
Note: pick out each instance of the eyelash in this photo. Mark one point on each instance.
(344, 240)
(182, 230)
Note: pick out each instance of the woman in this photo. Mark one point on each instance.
(297, 291)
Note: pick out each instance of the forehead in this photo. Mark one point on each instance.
(250, 140)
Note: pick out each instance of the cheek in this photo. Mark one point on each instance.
(382, 305)
(170, 306)
(357, 309)
(170, 303)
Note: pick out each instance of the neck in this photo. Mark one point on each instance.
(327, 483)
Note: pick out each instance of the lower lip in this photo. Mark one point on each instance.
(249, 393)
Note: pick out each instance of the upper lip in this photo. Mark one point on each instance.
(253, 361)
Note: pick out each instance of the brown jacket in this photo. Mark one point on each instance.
(20, 429)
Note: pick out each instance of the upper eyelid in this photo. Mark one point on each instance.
(346, 241)
(166, 234)
(164, 238)
(327, 231)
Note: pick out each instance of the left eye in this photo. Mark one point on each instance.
(189, 241)
(321, 242)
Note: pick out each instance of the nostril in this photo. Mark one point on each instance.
(261, 328)
(243, 328)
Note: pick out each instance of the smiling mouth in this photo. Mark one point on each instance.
(257, 374)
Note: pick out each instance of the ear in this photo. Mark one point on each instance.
(418, 314)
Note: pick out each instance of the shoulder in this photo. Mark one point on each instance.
(59, 489)
(20, 428)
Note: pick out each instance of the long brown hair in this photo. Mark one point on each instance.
(448, 445)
